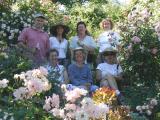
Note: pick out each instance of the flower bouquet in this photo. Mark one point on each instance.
(105, 95)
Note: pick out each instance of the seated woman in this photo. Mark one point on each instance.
(56, 72)
(79, 73)
(108, 73)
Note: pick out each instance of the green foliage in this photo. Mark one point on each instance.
(142, 66)
(12, 62)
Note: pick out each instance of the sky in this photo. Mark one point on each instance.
(124, 1)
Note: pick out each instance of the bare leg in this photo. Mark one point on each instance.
(112, 82)
(104, 83)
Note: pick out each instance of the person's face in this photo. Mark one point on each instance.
(79, 56)
(60, 30)
(81, 28)
(106, 25)
(53, 57)
(110, 57)
(39, 22)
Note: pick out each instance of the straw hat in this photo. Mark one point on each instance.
(53, 29)
(110, 50)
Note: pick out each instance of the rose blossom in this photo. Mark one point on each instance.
(135, 39)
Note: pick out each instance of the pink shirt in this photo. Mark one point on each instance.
(38, 39)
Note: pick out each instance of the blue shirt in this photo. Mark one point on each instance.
(79, 75)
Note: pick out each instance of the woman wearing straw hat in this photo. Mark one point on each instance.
(108, 73)
(60, 42)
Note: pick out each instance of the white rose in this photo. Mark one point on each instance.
(143, 107)
(29, 25)
(1, 32)
(25, 24)
(8, 28)
(138, 108)
(10, 37)
(4, 14)
(28, 20)
(3, 25)
(17, 13)
(12, 34)
(153, 102)
(148, 112)
(4, 34)
(11, 31)
(16, 30)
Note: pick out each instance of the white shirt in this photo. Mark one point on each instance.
(88, 41)
(108, 39)
(110, 69)
(56, 73)
(61, 47)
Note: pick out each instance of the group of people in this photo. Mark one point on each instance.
(77, 72)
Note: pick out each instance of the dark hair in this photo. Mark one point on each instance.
(50, 51)
(83, 23)
(74, 53)
(53, 30)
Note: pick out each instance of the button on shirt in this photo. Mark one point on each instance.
(61, 47)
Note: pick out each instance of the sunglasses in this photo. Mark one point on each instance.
(109, 53)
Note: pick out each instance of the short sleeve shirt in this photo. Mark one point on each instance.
(88, 41)
(61, 47)
(108, 39)
(38, 39)
(112, 69)
(56, 73)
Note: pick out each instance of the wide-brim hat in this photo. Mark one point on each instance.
(78, 49)
(39, 15)
(110, 50)
(54, 28)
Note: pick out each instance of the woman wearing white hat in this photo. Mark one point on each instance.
(109, 72)
(79, 73)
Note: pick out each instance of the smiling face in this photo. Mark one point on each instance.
(60, 30)
(53, 57)
(39, 22)
(79, 56)
(110, 57)
(106, 24)
(81, 29)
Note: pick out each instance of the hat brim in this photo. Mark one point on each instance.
(54, 28)
(110, 51)
(40, 17)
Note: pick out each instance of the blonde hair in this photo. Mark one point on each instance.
(106, 19)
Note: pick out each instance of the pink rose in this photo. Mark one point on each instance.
(135, 39)
(154, 51)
